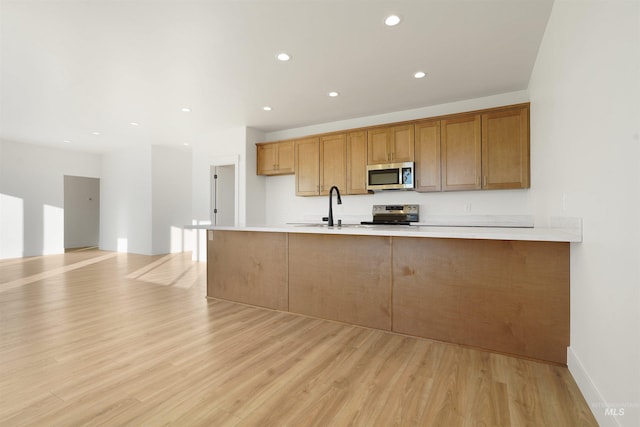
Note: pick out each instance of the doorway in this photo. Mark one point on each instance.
(81, 212)
(223, 197)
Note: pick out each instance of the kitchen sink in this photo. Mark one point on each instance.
(335, 226)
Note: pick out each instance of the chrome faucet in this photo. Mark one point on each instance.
(331, 204)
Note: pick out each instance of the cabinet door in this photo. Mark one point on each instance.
(285, 157)
(378, 146)
(427, 154)
(307, 163)
(505, 149)
(402, 143)
(333, 163)
(274, 158)
(266, 159)
(461, 153)
(357, 163)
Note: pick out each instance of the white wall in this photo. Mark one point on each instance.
(32, 196)
(218, 148)
(255, 187)
(126, 193)
(283, 206)
(398, 116)
(171, 199)
(585, 113)
(224, 147)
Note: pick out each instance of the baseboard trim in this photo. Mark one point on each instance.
(591, 394)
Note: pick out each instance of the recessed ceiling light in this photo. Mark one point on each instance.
(266, 108)
(419, 74)
(392, 20)
(186, 144)
(333, 94)
(284, 57)
(185, 110)
(67, 141)
(134, 124)
(95, 133)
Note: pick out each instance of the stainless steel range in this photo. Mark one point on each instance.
(394, 214)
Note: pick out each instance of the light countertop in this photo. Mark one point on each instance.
(547, 234)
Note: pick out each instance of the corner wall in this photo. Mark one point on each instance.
(216, 149)
(32, 196)
(125, 208)
(256, 198)
(585, 113)
(171, 199)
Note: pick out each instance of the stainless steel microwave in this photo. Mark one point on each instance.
(390, 176)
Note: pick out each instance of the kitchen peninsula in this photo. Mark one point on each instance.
(499, 289)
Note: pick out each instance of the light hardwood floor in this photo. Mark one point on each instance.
(98, 338)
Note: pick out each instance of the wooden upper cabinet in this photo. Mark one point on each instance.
(402, 139)
(390, 144)
(333, 163)
(266, 159)
(275, 158)
(427, 154)
(487, 149)
(377, 146)
(285, 157)
(307, 166)
(461, 153)
(356, 163)
(505, 149)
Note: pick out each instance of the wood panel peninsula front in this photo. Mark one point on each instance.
(500, 290)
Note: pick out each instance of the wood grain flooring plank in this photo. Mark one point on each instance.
(299, 396)
(91, 346)
(410, 393)
(34, 408)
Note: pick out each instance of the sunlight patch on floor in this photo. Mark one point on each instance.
(53, 272)
(176, 270)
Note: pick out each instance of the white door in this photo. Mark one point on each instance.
(223, 200)
(81, 212)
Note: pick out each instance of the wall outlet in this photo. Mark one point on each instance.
(467, 207)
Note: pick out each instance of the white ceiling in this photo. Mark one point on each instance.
(69, 68)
